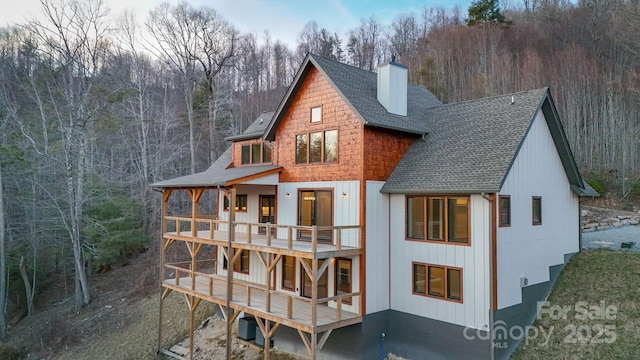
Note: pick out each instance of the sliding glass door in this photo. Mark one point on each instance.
(315, 208)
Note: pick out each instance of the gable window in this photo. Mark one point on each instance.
(258, 153)
(301, 149)
(317, 147)
(316, 114)
(437, 281)
(343, 279)
(504, 206)
(241, 265)
(241, 203)
(536, 210)
(441, 218)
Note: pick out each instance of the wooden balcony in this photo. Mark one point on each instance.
(279, 307)
(342, 241)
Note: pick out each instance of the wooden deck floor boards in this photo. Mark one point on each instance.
(327, 317)
(260, 241)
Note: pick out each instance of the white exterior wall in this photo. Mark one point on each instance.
(346, 212)
(474, 261)
(377, 238)
(524, 249)
(257, 272)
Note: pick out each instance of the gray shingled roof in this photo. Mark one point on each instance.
(216, 175)
(471, 145)
(256, 129)
(357, 87)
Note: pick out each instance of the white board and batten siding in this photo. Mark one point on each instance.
(524, 249)
(377, 238)
(346, 212)
(257, 272)
(473, 312)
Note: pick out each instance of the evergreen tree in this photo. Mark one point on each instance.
(486, 11)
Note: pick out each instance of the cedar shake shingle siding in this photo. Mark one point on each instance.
(336, 114)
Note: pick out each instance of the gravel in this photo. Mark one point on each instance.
(613, 238)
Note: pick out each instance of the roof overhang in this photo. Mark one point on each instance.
(213, 178)
(437, 191)
(255, 135)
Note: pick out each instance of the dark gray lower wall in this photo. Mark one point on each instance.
(409, 336)
(523, 314)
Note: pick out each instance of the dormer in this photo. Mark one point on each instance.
(249, 148)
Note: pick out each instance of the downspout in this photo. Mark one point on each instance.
(491, 260)
(579, 223)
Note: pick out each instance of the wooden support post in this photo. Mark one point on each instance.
(314, 293)
(267, 338)
(314, 344)
(338, 238)
(289, 237)
(267, 282)
(289, 306)
(248, 233)
(232, 215)
(314, 239)
(268, 238)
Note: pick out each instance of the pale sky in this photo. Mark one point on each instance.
(283, 18)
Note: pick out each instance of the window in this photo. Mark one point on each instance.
(246, 154)
(288, 272)
(316, 114)
(536, 210)
(343, 279)
(241, 265)
(505, 210)
(257, 153)
(315, 208)
(301, 149)
(321, 147)
(241, 203)
(442, 219)
(419, 279)
(306, 280)
(331, 146)
(437, 281)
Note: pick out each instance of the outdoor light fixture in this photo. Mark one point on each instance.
(344, 195)
(287, 195)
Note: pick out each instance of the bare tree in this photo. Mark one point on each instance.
(74, 38)
(176, 41)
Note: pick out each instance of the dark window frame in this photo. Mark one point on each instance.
(245, 259)
(427, 286)
(347, 301)
(242, 200)
(536, 209)
(445, 214)
(504, 210)
(319, 121)
(256, 153)
(246, 153)
(284, 272)
(305, 159)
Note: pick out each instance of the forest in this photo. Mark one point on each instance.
(95, 106)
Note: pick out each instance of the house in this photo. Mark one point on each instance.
(366, 217)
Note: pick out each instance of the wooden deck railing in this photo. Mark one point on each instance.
(254, 291)
(206, 229)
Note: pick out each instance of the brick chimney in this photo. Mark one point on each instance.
(392, 87)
